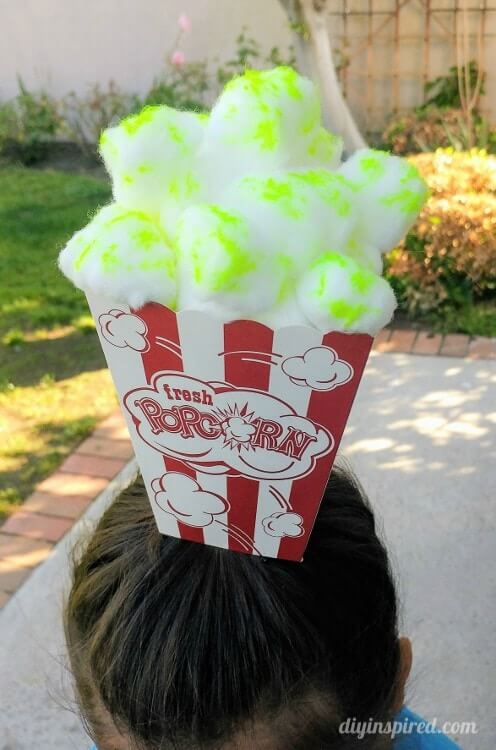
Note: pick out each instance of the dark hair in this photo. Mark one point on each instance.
(188, 646)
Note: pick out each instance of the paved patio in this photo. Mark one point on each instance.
(422, 438)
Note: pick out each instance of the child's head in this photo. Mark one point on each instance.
(176, 645)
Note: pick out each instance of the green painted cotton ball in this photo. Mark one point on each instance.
(297, 214)
(124, 255)
(338, 294)
(151, 159)
(221, 266)
(389, 195)
(266, 120)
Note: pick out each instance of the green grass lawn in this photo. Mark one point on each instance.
(53, 381)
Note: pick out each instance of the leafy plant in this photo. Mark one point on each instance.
(448, 260)
(449, 116)
(444, 91)
(183, 87)
(27, 125)
(427, 128)
(87, 115)
(248, 54)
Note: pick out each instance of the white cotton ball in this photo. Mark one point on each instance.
(123, 255)
(221, 267)
(324, 150)
(151, 159)
(389, 194)
(234, 214)
(283, 314)
(366, 255)
(265, 120)
(337, 294)
(296, 215)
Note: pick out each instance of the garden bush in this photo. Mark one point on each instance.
(429, 128)
(443, 120)
(28, 123)
(449, 256)
(86, 115)
(449, 172)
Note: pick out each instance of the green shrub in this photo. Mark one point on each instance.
(27, 125)
(426, 129)
(85, 116)
(444, 91)
(442, 121)
(248, 54)
(448, 258)
(181, 87)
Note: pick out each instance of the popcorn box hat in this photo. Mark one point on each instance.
(240, 215)
(235, 426)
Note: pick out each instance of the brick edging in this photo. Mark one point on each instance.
(28, 536)
(409, 341)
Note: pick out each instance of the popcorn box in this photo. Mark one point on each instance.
(235, 426)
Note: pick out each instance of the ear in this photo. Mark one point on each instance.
(406, 658)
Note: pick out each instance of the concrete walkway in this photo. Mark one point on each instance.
(422, 439)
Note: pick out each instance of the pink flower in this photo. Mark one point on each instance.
(184, 23)
(178, 58)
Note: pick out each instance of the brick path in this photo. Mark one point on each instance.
(28, 535)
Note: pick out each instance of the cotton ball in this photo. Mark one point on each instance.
(338, 294)
(151, 159)
(296, 215)
(221, 266)
(283, 314)
(124, 255)
(389, 194)
(264, 120)
(324, 149)
(367, 255)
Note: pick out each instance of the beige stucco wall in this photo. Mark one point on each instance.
(66, 44)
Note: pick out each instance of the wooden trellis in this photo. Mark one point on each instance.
(388, 49)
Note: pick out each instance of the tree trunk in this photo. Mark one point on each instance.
(314, 56)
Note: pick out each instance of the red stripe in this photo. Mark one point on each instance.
(330, 409)
(162, 322)
(242, 493)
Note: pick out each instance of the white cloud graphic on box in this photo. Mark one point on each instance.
(237, 429)
(182, 497)
(285, 523)
(124, 330)
(319, 368)
(223, 429)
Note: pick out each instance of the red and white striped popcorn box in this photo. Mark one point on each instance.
(235, 426)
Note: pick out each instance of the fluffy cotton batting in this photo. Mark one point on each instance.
(295, 215)
(364, 253)
(265, 120)
(233, 213)
(389, 194)
(220, 266)
(338, 294)
(123, 255)
(151, 159)
(324, 149)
